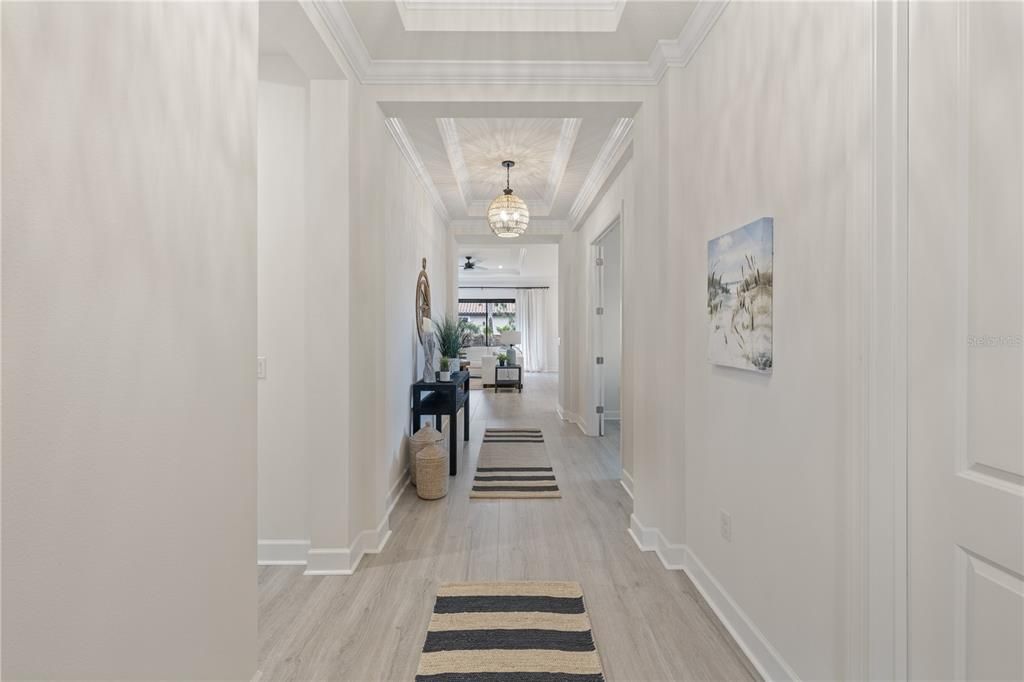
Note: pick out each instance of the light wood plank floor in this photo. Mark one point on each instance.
(649, 623)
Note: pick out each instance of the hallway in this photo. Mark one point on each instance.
(649, 623)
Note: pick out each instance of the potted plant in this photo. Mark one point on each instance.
(502, 359)
(446, 374)
(452, 334)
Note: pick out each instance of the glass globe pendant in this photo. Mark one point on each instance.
(508, 215)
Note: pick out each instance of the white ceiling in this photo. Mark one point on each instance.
(505, 265)
(561, 160)
(566, 30)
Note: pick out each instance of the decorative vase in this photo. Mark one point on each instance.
(454, 364)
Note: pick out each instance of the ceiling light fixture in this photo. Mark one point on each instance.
(508, 215)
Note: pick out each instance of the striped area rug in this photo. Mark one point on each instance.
(514, 463)
(510, 632)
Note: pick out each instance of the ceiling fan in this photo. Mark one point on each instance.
(471, 264)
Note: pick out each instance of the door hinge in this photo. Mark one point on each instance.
(599, 262)
(600, 360)
(600, 409)
(600, 310)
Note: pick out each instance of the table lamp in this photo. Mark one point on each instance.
(510, 338)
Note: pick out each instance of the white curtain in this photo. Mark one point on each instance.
(530, 312)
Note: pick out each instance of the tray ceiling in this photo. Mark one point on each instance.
(554, 31)
(561, 162)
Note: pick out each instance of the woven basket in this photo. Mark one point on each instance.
(432, 472)
(423, 438)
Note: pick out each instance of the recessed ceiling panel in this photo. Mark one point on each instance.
(637, 32)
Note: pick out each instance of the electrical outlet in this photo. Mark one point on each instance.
(261, 367)
(725, 525)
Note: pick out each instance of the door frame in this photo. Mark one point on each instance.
(877, 594)
(594, 422)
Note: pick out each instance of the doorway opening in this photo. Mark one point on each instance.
(607, 328)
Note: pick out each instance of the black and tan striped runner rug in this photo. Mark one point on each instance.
(510, 632)
(514, 463)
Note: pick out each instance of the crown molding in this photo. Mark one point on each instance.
(606, 159)
(560, 159)
(453, 148)
(398, 132)
(666, 54)
(449, 131)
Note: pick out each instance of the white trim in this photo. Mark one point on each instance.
(626, 481)
(396, 491)
(763, 656)
(453, 148)
(759, 651)
(672, 556)
(679, 52)
(560, 159)
(405, 144)
(281, 552)
(666, 54)
(612, 150)
(571, 417)
(345, 560)
(884, 652)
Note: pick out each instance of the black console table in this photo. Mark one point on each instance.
(440, 398)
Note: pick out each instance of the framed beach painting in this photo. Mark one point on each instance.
(740, 297)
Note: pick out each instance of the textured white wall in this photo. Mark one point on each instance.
(129, 329)
(281, 337)
(771, 118)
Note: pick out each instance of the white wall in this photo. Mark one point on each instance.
(283, 493)
(394, 227)
(129, 328)
(755, 125)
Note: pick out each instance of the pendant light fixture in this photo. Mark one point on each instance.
(508, 215)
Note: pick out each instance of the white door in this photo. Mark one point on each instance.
(965, 322)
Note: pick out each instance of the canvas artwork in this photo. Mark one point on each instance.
(740, 297)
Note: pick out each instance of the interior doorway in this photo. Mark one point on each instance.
(607, 328)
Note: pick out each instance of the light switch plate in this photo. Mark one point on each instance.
(261, 367)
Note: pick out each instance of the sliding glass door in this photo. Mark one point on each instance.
(488, 318)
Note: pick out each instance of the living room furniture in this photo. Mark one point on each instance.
(482, 361)
(441, 398)
(508, 376)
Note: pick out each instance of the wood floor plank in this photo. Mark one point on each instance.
(649, 623)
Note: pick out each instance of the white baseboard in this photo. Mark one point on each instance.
(627, 483)
(765, 658)
(762, 655)
(345, 560)
(397, 489)
(652, 540)
(281, 552)
(570, 417)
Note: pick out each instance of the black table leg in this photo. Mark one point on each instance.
(453, 444)
(465, 414)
